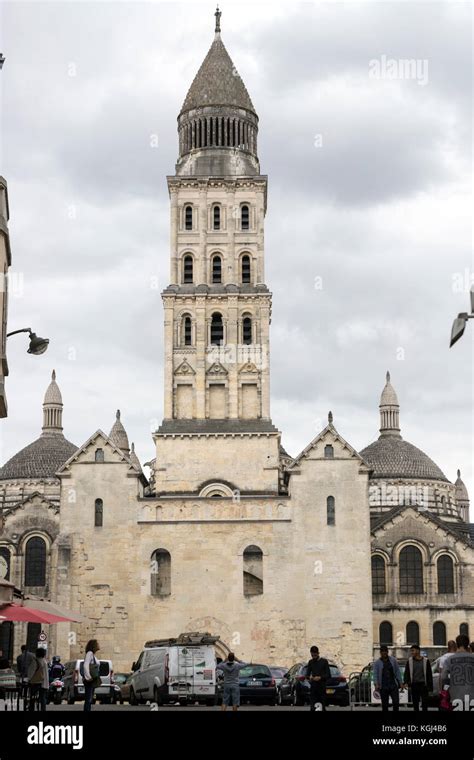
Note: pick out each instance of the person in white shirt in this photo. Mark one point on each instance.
(90, 663)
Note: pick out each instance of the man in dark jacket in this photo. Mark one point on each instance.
(387, 679)
(419, 677)
(318, 673)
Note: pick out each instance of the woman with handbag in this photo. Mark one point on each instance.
(91, 673)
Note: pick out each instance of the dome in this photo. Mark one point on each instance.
(118, 435)
(41, 459)
(53, 394)
(391, 457)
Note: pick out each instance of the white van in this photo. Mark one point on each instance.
(167, 671)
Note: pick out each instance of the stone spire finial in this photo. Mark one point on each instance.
(389, 411)
(330, 418)
(118, 414)
(218, 15)
(459, 473)
(52, 408)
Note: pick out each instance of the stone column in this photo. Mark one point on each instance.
(201, 344)
(174, 237)
(168, 306)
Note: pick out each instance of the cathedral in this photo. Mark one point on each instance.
(229, 533)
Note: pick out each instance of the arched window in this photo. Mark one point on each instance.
(445, 567)
(161, 573)
(247, 330)
(216, 269)
(439, 634)
(98, 513)
(4, 563)
(329, 452)
(464, 629)
(99, 455)
(385, 633)
(187, 331)
(411, 570)
(216, 217)
(253, 571)
(331, 510)
(412, 633)
(246, 269)
(378, 575)
(188, 269)
(35, 562)
(188, 217)
(217, 329)
(245, 217)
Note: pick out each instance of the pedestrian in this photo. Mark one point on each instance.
(56, 669)
(317, 672)
(451, 649)
(4, 662)
(39, 681)
(231, 669)
(388, 679)
(26, 664)
(91, 673)
(471, 646)
(419, 677)
(458, 672)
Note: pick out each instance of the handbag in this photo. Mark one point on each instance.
(445, 700)
(94, 669)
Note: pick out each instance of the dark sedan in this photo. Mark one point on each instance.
(295, 689)
(257, 684)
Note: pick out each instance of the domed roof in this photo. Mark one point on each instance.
(217, 82)
(118, 435)
(392, 457)
(53, 394)
(40, 459)
(461, 493)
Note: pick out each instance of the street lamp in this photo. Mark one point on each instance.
(459, 324)
(37, 345)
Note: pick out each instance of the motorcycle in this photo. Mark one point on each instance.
(55, 691)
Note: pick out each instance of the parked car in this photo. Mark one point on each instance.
(73, 680)
(278, 672)
(174, 673)
(295, 687)
(257, 685)
(123, 681)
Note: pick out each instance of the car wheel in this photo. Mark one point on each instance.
(133, 699)
(279, 699)
(157, 696)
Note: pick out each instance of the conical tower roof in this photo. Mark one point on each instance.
(53, 394)
(461, 490)
(134, 459)
(217, 82)
(118, 435)
(389, 396)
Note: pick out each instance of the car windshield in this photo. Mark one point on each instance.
(255, 671)
(334, 671)
(303, 670)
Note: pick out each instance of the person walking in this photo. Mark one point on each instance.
(26, 664)
(317, 672)
(419, 677)
(388, 679)
(231, 669)
(458, 672)
(451, 649)
(91, 673)
(39, 682)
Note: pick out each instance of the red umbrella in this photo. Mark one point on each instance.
(17, 613)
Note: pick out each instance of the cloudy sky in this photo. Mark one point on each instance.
(368, 230)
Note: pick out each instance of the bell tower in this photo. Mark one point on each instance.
(217, 307)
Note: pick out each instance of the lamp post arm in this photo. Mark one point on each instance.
(25, 329)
